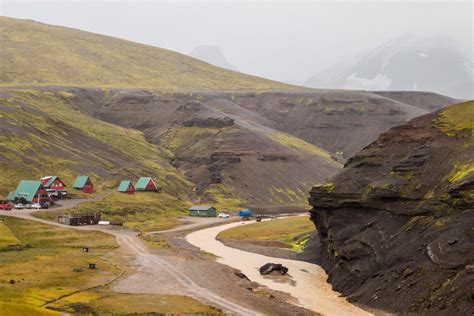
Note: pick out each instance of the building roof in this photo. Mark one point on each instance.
(124, 185)
(27, 189)
(51, 179)
(142, 183)
(80, 182)
(11, 196)
(201, 208)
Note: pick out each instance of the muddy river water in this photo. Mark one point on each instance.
(307, 284)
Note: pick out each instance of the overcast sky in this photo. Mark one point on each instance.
(285, 41)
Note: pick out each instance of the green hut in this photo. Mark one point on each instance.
(203, 211)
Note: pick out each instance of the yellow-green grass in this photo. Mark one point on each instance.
(143, 211)
(457, 118)
(299, 144)
(107, 303)
(461, 171)
(7, 238)
(222, 198)
(44, 135)
(291, 232)
(40, 54)
(42, 271)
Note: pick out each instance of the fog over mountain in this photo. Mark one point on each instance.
(213, 55)
(283, 41)
(406, 63)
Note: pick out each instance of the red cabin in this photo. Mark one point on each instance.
(84, 184)
(126, 186)
(53, 183)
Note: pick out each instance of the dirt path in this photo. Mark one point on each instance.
(146, 260)
(308, 281)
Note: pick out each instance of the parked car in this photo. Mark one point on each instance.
(19, 206)
(44, 205)
(5, 206)
(223, 215)
(36, 206)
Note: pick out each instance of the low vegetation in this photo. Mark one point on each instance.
(37, 140)
(41, 54)
(42, 269)
(106, 303)
(457, 119)
(290, 233)
(461, 171)
(143, 211)
(297, 143)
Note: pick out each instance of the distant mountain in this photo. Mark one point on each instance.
(407, 63)
(213, 55)
(38, 53)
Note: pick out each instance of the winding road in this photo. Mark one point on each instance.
(132, 245)
(308, 281)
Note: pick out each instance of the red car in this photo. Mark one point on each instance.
(5, 206)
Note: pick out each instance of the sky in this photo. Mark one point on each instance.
(284, 41)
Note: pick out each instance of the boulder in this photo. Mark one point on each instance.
(270, 267)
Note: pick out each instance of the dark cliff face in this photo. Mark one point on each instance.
(397, 225)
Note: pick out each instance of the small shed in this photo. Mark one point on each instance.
(126, 186)
(32, 191)
(146, 184)
(84, 184)
(202, 211)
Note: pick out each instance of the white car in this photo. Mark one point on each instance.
(36, 206)
(223, 215)
(19, 206)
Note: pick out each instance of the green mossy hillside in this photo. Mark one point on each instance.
(43, 134)
(41, 54)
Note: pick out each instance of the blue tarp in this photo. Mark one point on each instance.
(245, 213)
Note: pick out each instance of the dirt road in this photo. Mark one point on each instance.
(148, 261)
(307, 284)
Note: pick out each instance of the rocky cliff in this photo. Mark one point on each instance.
(396, 227)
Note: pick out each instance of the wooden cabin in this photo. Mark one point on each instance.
(126, 186)
(202, 211)
(53, 183)
(146, 184)
(32, 191)
(84, 184)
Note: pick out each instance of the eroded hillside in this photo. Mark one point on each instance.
(397, 225)
(229, 149)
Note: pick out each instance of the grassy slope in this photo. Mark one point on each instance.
(291, 232)
(37, 53)
(42, 134)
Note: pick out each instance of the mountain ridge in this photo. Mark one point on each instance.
(35, 53)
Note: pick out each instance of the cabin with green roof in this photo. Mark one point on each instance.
(126, 186)
(84, 184)
(53, 183)
(146, 184)
(11, 196)
(203, 211)
(32, 191)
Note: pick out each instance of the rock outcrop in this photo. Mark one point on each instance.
(396, 227)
